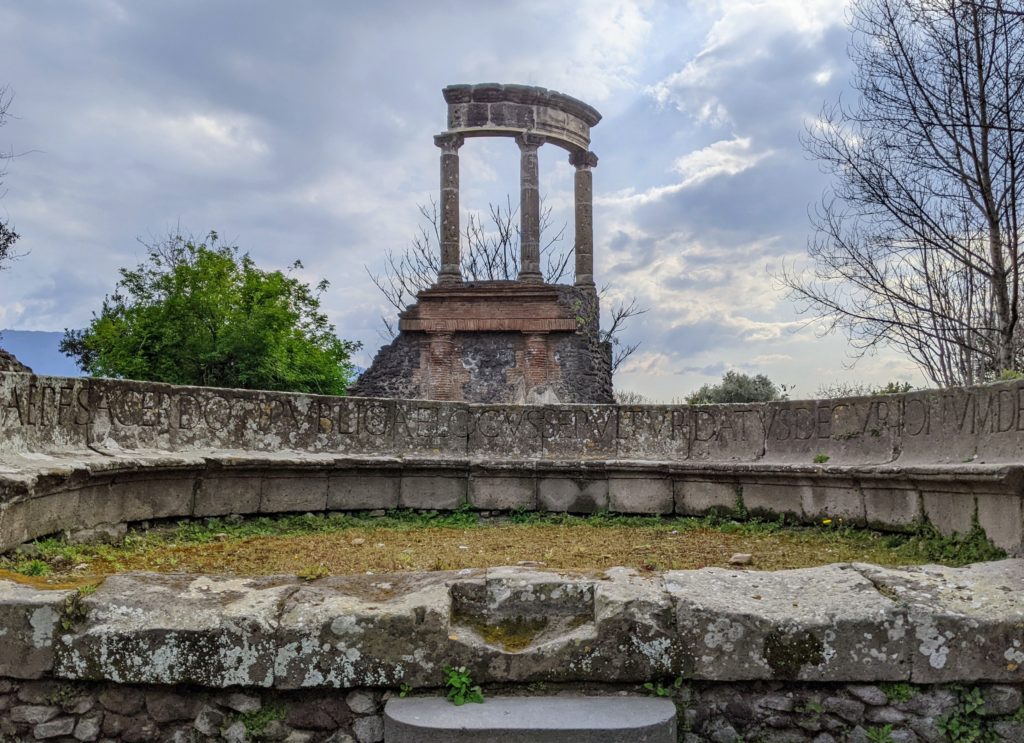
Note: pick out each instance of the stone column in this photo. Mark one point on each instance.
(529, 209)
(584, 186)
(450, 272)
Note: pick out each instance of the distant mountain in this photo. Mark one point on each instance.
(38, 349)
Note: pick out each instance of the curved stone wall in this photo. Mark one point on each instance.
(76, 453)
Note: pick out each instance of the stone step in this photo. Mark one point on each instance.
(533, 719)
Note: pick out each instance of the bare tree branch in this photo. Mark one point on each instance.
(918, 244)
(7, 234)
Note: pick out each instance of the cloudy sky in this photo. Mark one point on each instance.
(304, 130)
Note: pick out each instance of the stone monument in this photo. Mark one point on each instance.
(522, 341)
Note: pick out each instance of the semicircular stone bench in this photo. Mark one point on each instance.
(77, 454)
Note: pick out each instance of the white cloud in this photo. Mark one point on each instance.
(199, 141)
(743, 34)
(727, 157)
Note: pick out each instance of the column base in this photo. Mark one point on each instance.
(448, 279)
(532, 277)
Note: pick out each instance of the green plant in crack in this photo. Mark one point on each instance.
(966, 722)
(460, 686)
(881, 734)
(656, 688)
(257, 721)
(897, 693)
(73, 610)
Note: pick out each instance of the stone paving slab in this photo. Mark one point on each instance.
(531, 720)
(839, 623)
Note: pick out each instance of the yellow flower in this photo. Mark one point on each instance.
(826, 521)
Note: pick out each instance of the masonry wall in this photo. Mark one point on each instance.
(821, 654)
(708, 712)
(497, 367)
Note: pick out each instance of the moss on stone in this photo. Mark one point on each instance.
(788, 653)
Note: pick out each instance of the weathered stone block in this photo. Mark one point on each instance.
(578, 430)
(1002, 518)
(822, 624)
(963, 624)
(891, 506)
(772, 498)
(167, 629)
(502, 493)
(363, 491)
(427, 491)
(218, 495)
(699, 497)
(431, 428)
(949, 512)
(136, 498)
(653, 432)
(13, 524)
(725, 432)
(341, 632)
(506, 431)
(297, 492)
(50, 514)
(29, 622)
(848, 431)
(839, 500)
(572, 494)
(640, 494)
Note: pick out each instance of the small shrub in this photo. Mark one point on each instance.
(880, 734)
(821, 458)
(897, 693)
(658, 690)
(461, 688)
(966, 722)
(34, 568)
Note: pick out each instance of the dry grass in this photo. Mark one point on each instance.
(369, 546)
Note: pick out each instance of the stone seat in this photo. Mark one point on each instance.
(533, 719)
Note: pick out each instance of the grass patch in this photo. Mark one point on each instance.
(314, 546)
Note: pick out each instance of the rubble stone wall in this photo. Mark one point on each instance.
(708, 712)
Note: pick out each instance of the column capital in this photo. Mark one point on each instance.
(527, 140)
(449, 142)
(583, 159)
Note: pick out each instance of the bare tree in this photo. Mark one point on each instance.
(7, 235)
(918, 244)
(490, 252)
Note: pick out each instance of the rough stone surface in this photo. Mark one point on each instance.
(88, 456)
(707, 711)
(9, 363)
(820, 623)
(177, 629)
(29, 620)
(838, 623)
(504, 343)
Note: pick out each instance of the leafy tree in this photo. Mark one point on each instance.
(738, 387)
(919, 244)
(202, 313)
